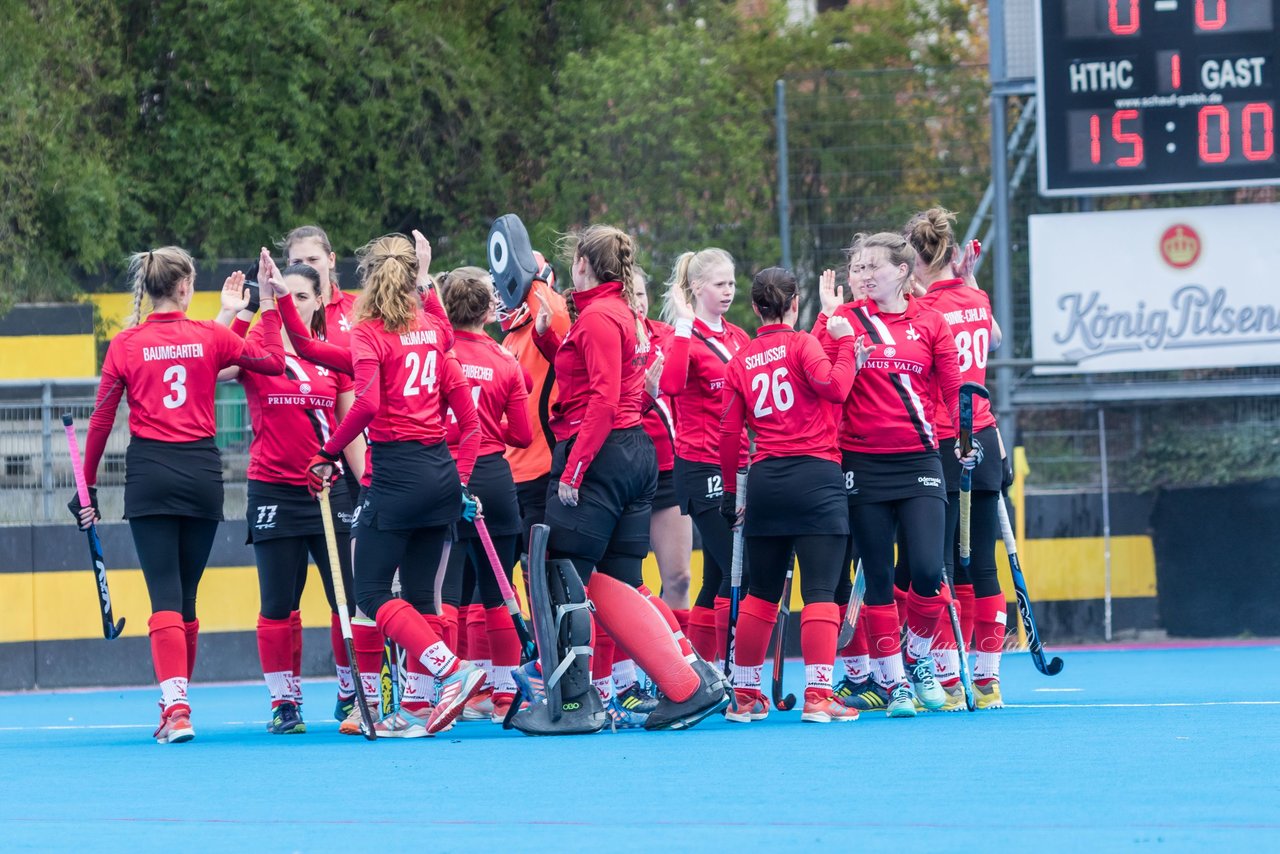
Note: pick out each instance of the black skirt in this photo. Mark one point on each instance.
(890, 477)
(278, 510)
(987, 475)
(666, 495)
(414, 486)
(173, 479)
(698, 486)
(491, 482)
(795, 496)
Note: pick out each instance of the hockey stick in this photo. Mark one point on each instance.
(854, 608)
(389, 689)
(735, 579)
(781, 703)
(967, 393)
(340, 596)
(528, 649)
(110, 629)
(1051, 668)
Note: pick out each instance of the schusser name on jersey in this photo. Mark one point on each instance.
(773, 354)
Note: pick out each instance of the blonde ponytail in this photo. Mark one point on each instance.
(388, 270)
(157, 274)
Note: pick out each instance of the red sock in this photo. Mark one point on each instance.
(819, 629)
(922, 622)
(682, 618)
(641, 629)
(449, 617)
(192, 632)
(756, 618)
(399, 621)
(722, 626)
(275, 651)
(900, 602)
(857, 644)
(335, 640)
(295, 623)
(965, 601)
(367, 640)
(168, 645)
(989, 617)
(686, 648)
(602, 652)
(944, 636)
(883, 630)
(477, 635)
(702, 631)
(504, 643)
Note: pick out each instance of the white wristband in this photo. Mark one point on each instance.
(684, 327)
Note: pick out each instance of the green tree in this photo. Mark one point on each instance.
(60, 94)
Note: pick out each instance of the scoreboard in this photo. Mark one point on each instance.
(1156, 95)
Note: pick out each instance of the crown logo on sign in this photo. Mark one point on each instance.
(1180, 246)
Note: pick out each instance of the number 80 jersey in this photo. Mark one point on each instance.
(968, 312)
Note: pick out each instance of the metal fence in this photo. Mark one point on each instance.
(36, 480)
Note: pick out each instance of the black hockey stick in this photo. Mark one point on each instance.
(110, 629)
(1050, 668)
(854, 608)
(967, 392)
(735, 580)
(781, 703)
(340, 597)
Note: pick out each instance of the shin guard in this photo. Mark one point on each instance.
(562, 623)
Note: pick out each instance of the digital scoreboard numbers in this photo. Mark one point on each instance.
(1149, 95)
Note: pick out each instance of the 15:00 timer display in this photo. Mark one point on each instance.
(1142, 95)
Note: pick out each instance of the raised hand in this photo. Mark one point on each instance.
(862, 351)
(680, 304)
(963, 268)
(542, 320)
(235, 297)
(422, 249)
(653, 375)
(829, 295)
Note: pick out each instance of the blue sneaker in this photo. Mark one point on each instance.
(344, 707)
(902, 703)
(926, 684)
(286, 720)
(529, 680)
(622, 717)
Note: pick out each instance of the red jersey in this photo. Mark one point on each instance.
(497, 390)
(169, 365)
(694, 378)
(658, 417)
(968, 312)
(401, 379)
(339, 317)
(299, 406)
(889, 409)
(535, 461)
(600, 368)
(783, 386)
(335, 352)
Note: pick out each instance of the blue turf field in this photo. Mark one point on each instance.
(1168, 749)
